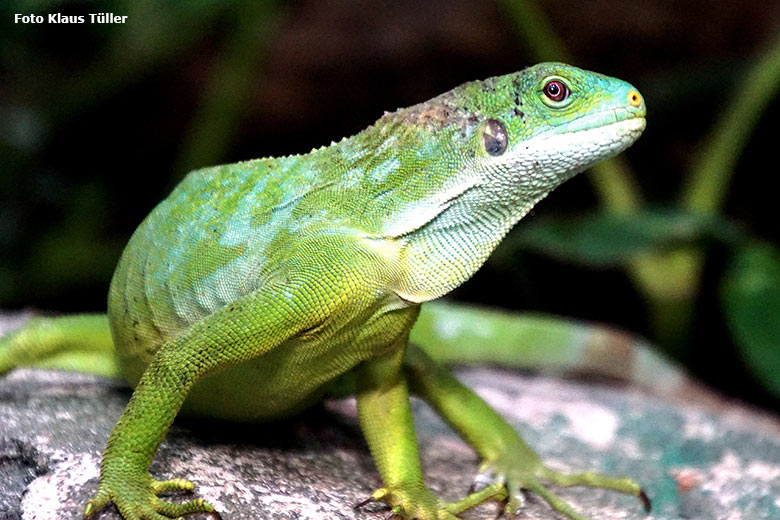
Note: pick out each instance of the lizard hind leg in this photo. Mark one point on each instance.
(507, 459)
(80, 343)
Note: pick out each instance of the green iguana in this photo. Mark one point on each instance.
(256, 288)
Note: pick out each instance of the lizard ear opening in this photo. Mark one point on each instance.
(494, 137)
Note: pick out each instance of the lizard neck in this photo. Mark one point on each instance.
(447, 250)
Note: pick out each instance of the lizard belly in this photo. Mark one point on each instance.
(295, 374)
(276, 385)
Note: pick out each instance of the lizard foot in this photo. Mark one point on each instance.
(516, 478)
(136, 499)
(419, 503)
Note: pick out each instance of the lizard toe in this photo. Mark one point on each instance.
(179, 510)
(176, 484)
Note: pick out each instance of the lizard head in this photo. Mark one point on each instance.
(522, 133)
(499, 145)
(546, 123)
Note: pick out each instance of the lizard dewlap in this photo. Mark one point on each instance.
(255, 286)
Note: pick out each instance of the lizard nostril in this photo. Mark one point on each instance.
(634, 98)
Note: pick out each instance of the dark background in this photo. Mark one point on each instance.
(98, 122)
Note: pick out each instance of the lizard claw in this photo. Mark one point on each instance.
(363, 503)
(94, 505)
(645, 501)
(376, 496)
(396, 511)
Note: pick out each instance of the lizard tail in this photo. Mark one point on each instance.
(464, 334)
(80, 343)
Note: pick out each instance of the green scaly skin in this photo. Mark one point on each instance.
(276, 277)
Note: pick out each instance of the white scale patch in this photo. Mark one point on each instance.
(387, 143)
(416, 214)
(351, 178)
(426, 149)
(226, 284)
(384, 169)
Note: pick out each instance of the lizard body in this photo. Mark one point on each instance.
(255, 286)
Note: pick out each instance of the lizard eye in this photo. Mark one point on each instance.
(556, 90)
(494, 137)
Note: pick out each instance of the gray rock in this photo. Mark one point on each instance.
(695, 463)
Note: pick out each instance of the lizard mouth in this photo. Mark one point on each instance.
(602, 134)
(602, 119)
(607, 137)
(597, 128)
(633, 125)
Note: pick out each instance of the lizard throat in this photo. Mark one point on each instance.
(443, 248)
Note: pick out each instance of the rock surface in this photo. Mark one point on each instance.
(695, 464)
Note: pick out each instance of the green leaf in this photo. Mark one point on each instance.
(606, 239)
(750, 295)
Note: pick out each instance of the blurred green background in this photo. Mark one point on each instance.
(676, 241)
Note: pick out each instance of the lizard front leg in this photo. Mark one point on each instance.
(507, 459)
(247, 328)
(386, 418)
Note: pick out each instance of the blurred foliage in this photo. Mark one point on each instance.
(616, 240)
(97, 122)
(751, 300)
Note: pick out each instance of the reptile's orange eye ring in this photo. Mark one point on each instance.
(634, 98)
